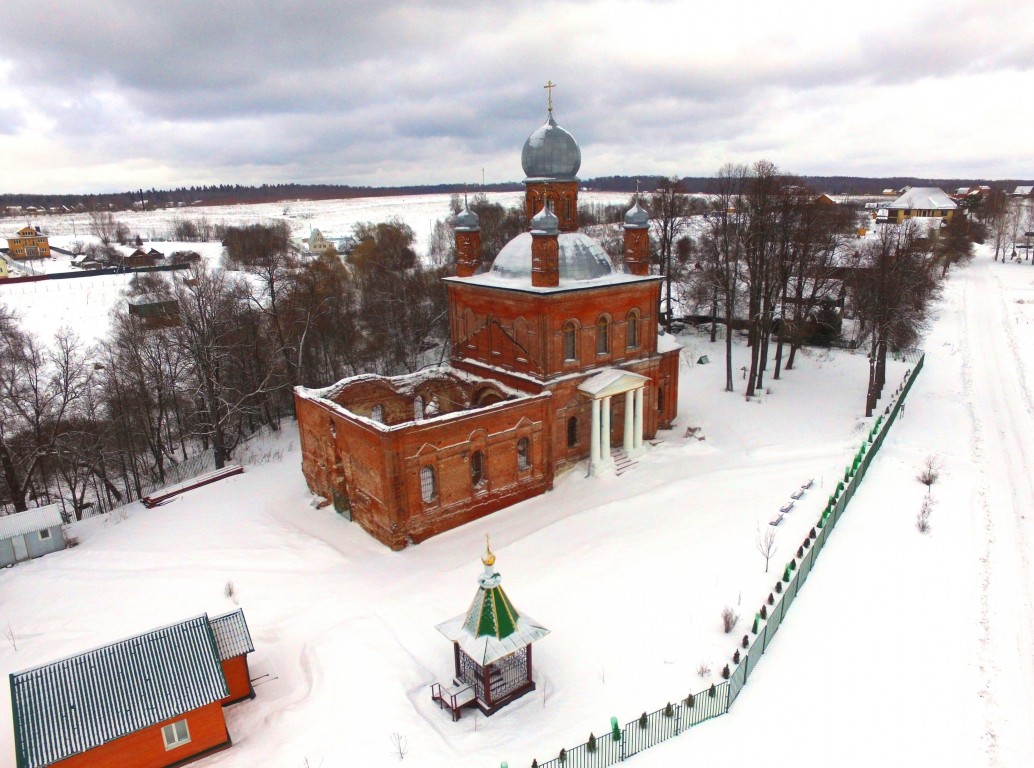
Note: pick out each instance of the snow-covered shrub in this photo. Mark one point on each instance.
(923, 518)
(669, 711)
(726, 672)
(736, 657)
(764, 611)
(703, 669)
(746, 641)
(729, 619)
(712, 691)
(930, 472)
(771, 599)
(644, 721)
(690, 701)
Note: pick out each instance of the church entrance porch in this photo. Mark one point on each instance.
(602, 388)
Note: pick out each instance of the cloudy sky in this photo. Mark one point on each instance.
(107, 95)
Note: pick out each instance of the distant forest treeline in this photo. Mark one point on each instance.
(229, 194)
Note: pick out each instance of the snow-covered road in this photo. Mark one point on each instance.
(995, 361)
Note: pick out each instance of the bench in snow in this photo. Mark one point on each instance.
(776, 520)
(786, 508)
(170, 492)
(809, 484)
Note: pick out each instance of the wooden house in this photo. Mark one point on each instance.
(5, 271)
(33, 533)
(233, 643)
(150, 701)
(29, 243)
(154, 310)
(141, 258)
(491, 646)
(922, 202)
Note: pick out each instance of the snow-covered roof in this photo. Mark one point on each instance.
(232, 637)
(491, 628)
(30, 520)
(612, 381)
(666, 343)
(1023, 190)
(69, 706)
(923, 198)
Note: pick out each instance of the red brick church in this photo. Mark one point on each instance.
(555, 359)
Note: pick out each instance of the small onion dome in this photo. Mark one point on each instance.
(467, 219)
(489, 557)
(637, 217)
(551, 153)
(545, 222)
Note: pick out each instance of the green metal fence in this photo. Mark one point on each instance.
(616, 744)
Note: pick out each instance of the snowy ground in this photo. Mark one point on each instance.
(901, 650)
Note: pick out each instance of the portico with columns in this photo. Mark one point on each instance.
(602, 388)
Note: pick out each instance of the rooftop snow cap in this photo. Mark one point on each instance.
(580, 257)
(637, 216)
(551, 153)
(467, 219)
(545, 221)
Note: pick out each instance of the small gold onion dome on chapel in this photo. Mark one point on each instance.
(488, 558)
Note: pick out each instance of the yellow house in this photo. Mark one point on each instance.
(317, 242)
(922, 201)
(3, 269)
(29, 244)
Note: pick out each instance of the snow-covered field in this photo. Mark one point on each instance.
(902, 649)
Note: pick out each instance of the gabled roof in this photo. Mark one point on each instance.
(30, 520)
(69, 706)
(232, 637)
(923, 198)
(1023, 190)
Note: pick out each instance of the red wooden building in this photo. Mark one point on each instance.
(150, 701)
(556, 359)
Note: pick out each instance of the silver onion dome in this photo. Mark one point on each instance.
(637, 217)
(551, 153)
(467, 219)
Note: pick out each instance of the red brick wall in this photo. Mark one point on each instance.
(564, 196)
(146, 749)
(238, 679)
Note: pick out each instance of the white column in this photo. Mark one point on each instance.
(629, 441)
(594, 441)
(605, 430)
(638, 439)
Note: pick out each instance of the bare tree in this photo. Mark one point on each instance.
(669, 209)
(766, 543)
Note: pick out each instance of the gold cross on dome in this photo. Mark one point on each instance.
(549, 86)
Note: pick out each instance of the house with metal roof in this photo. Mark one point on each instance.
(32, 533)
(233, 643)
(153, 700)
(922, 202)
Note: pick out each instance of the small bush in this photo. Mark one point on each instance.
(231, 592)
(771, 599)
(923, 518)
(644, 721)
(725, 672)
(712, 691)
(736, 657)
(800, 551)
(562, 755)
(764, 611)
(930, 472)
(746, 641)
(812, 534)
(729, 619)
(703, 669)
(669, 711)
(591, 743)
(690, 701)
(779, 587)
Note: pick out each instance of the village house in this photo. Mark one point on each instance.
(155, 310)
(922, 202)
(32, 533)
(556, 358)
(1023, 191)
(29, 243)
(317, 242)
(5, 269)
(150, 701)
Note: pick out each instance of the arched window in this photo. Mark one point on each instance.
(660, 399)
(428, 484)
(602, 336)
(632, 330)
(523, 453)
(570, 338)
(418, 407)
(572, 432)
(477, 469)
(378, 413)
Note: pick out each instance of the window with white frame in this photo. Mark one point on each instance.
(428, 486)
(175, 734)
(570, 348)
(44, 534)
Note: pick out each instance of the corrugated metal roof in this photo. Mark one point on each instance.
(30, 520)
(232, 637)
(72, 705)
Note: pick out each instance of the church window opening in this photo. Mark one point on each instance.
(378, 413)
(428, 485)
(418, 407)
(570, 348)
(477, 469)
(660, 399)
(523, 453)
(572, 432)
(632, 334)
(602, 336)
